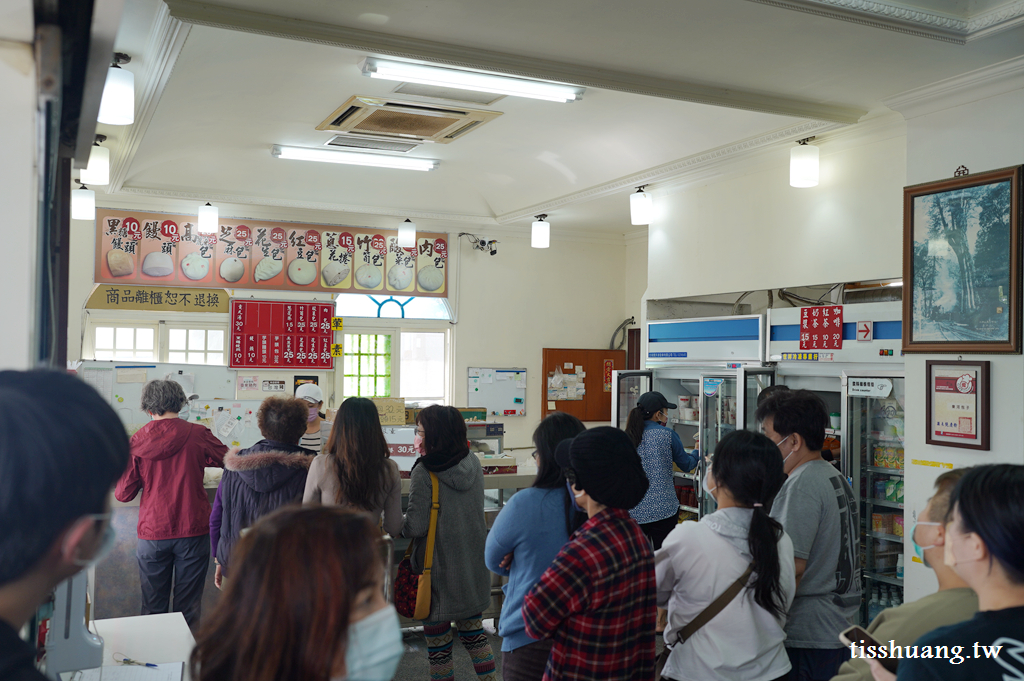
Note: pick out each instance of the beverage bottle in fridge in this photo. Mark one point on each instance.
(873, 606)
(899, 567)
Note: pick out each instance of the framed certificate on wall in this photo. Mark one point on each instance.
(958, 404)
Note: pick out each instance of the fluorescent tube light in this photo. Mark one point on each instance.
(469, 80)
(352, 158)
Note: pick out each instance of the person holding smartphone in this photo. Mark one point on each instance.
(984, 545)
(953, 602)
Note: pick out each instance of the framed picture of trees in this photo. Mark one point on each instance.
(962, 264)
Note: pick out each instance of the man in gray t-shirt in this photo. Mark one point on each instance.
(818, 511)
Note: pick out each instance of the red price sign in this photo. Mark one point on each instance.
(242, 232)
(379, 244)
(821, 328)
(133, 228)
(441, 248)
(347, 241)
(277, 235)
(169, 230)
(313, 237)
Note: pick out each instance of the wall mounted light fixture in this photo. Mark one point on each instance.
(407, 234)
(83, 203)
(98, 170)
(641, 207)
(117, 106)
(209, 216)
(803, 164)
(540, 235)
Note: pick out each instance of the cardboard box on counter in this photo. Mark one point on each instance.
(468, 413)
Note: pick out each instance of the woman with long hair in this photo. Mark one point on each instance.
(460, 585)
(305, 603)
(355, 468)
(984, 544)
(658, 446)
(700, 560)
(524, 540)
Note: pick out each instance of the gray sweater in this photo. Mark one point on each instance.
(460, 581)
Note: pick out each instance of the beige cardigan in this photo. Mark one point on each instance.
(322, 487)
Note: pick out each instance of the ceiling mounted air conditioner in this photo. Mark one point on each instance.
(404, 120)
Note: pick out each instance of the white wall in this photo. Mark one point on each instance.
(748, 229)
(18, 195)
(635, 274)
(983, 135)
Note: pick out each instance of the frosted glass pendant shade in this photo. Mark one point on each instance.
(407, 234)
(117, 106)
(641, 208)
(98, 170)
(540, 235)
(83, 204)
(803, 166)
(208, 218)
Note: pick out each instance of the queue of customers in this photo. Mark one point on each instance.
(759, 589)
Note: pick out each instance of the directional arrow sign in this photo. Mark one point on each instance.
(865, 331)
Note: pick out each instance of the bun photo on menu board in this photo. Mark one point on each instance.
(303, 256)
(371, 252)
(233, 262)
(432, 260)
(195, 254)
(159, 250)
(401, 266)
(336, 260)
(119, 242)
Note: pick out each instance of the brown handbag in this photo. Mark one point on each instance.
(705, 616)
(412, 591)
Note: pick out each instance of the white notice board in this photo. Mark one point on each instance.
(501, 391)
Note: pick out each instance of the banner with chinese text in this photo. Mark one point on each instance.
(106, 297)
(153, 249)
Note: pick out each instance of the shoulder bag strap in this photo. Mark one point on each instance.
(432, 532)
(717, 605)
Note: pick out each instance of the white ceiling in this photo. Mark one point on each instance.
(233, 94)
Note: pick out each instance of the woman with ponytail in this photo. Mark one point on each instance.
(699, 561)
(658, 447)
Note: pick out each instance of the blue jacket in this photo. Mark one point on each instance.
(659, 447)
(256, 481)
(531, 526)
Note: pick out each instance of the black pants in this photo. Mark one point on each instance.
(526, 663)
(187, 560)
(659, 529)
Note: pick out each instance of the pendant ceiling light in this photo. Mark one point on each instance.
(407, 234)
(98, 170)
(208, 219)
(803, 164)
(540, 235)
(117, 106)
(83, 203)
(641, 207)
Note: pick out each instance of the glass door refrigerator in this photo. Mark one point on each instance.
(627, 387)
(873, 460)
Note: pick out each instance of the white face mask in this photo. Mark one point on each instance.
(374, 647)
(779, 445)
(704, 483)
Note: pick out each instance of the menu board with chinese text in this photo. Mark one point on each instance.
(134, 248)
(821, 327)
(278, 334)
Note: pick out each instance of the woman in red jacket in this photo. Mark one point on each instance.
(168, 458)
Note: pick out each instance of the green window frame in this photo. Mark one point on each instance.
(366, 359)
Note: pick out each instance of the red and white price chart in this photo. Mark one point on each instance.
(821, 328)
(273, 334)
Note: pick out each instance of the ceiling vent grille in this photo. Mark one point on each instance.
(350, 142)
(405, 121)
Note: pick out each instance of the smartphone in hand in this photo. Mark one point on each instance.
(868, 647)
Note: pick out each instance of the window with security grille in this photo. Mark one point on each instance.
(367, 365)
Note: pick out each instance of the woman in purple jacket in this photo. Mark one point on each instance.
(260, 479)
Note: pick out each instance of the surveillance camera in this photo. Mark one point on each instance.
(493, 246)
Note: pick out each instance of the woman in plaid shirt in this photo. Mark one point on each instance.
(597, 600)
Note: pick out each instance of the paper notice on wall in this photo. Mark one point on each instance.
(474, 372)
(552, 394)
(579, 368)
(504, 376)
(227, 424)
(552, 406)
(248, 382)
(276, 387)
(186, 381)
(570, 393)
(487, 376)
(520, 380)
(102, 380)
(131, 374)
(567, 365)
(474, 384)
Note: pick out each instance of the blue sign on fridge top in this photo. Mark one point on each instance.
(708, 339)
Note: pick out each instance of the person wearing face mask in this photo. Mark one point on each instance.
(169, 455)
(305, 603)
(54, 496)
(318, 430)
(355, 467)
(596, 601)
(658, 447)
(460, 584)
(525, 538)
(818, 511)
(984, 546)
(954, 602)
(701, 560)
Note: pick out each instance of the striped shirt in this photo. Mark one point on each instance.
(312, 441)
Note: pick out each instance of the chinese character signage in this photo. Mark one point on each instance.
(957, 410)
(167, 250)
(821, 328)
(107, 297)
(281, 335)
